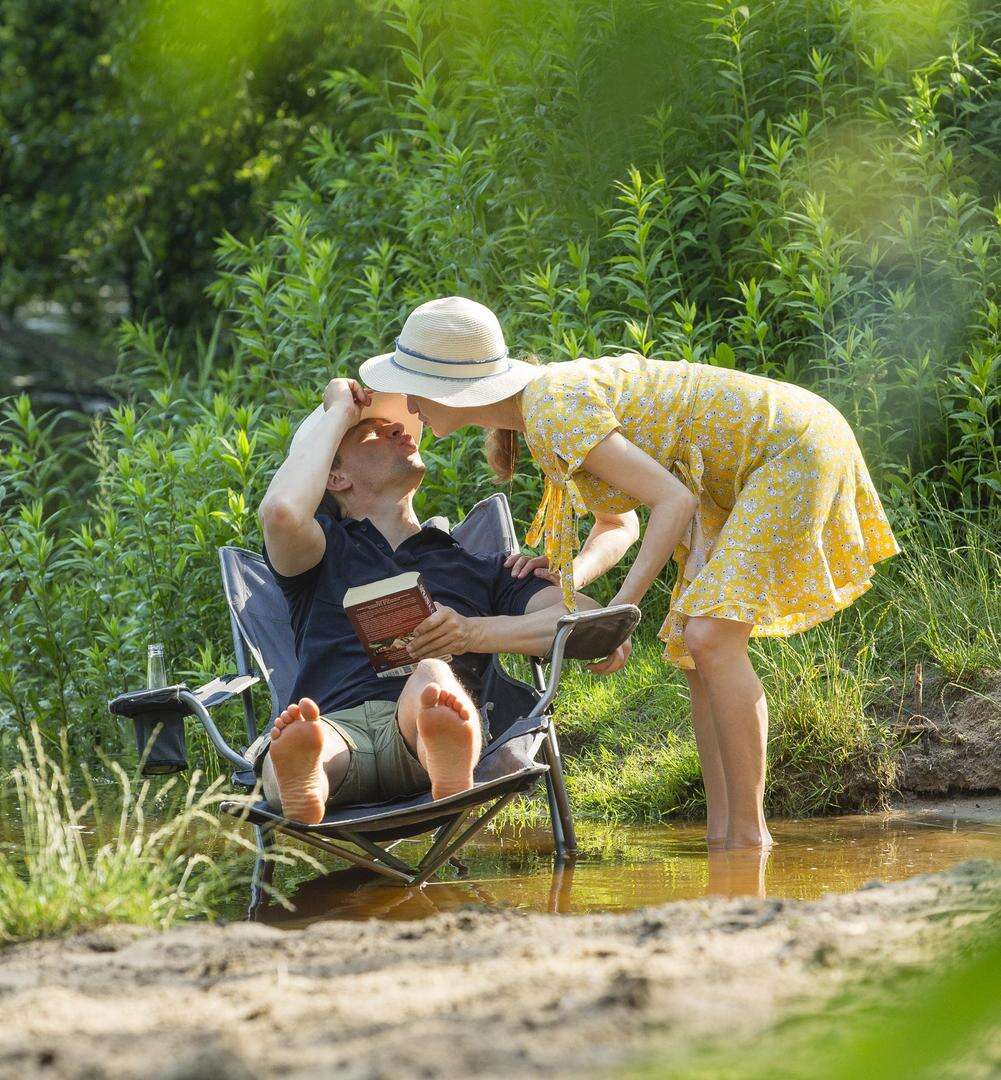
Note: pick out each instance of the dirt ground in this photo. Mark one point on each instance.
(487, 994)
(956, 738)
(498, 993)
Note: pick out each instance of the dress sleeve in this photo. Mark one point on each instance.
(566, 419)
(573, 417)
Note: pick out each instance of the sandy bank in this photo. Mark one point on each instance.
(468, 993)
(984, 809)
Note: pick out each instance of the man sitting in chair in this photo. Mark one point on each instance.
(339, 513)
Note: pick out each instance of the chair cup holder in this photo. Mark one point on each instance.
(160, 741)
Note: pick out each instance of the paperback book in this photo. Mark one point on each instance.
(384, 615)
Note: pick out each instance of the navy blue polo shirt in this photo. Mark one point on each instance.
(334, 669)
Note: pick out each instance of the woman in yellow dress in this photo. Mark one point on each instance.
(756, 487)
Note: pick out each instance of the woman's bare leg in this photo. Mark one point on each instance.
(713, 778)
(737, 700)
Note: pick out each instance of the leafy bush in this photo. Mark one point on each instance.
(132, 135)
(803, 192)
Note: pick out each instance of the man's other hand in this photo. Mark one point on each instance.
(615, 661)
(347, 396)
(445, 632)
(524, 565)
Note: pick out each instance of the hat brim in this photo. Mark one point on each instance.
(382, 373)
(386, 406)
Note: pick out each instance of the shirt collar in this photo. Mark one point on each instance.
(427, 532)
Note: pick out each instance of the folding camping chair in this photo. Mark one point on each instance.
(523, 747)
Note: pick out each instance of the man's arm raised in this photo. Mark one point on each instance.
(292, 535)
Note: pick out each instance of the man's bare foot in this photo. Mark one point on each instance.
(449, 740)
(296, 746)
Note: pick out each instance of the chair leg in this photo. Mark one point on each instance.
(427, 869)
(380, 855)
(441, 840)
(559, 841)
(263, 872)
(559, 889)
(559, 800)
(380, 866)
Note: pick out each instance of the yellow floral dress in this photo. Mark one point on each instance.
(789, 524)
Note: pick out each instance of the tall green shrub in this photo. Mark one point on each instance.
(133, 134)
(805, 193)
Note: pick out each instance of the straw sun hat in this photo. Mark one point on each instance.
(451, 351)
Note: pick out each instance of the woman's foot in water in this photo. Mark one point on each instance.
(297, 742)
(756, 837)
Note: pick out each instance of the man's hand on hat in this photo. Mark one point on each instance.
(348, 397)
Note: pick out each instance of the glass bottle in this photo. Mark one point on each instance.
(156, 672)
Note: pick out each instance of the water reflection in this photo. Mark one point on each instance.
(359, 894)
(624, 868)
(737, 873)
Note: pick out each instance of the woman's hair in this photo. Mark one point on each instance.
(502, 446)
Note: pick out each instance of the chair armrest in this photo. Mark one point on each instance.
(591, 635)
(180, 701)
(223, 689)
(134, 702)
(208, 695)
(587, 635)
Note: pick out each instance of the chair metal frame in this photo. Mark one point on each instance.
(453, 820)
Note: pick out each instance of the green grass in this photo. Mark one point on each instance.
(627, 740)
(630, 752)
(828, 750)
(145, 866)
(941, 594)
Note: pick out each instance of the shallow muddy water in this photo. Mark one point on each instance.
(628, 867)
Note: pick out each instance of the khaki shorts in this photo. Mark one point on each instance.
(381, 767)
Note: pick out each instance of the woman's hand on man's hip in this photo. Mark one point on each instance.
(523, 566)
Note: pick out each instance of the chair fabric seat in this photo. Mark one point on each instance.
(386, 819)
(508, 764)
